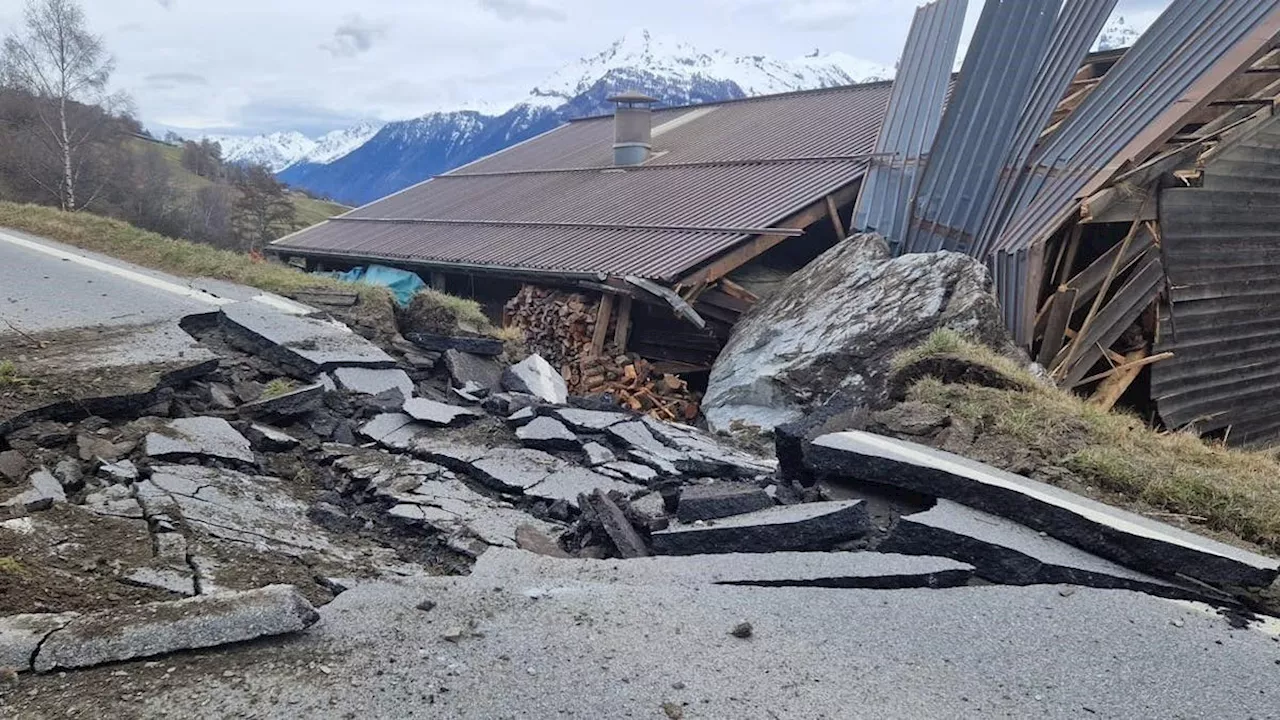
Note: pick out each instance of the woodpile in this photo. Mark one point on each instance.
(560, 326)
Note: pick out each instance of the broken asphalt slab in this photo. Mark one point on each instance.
(535, 376)
(809, 526)
(544, 433)
(289, 404)
(1006, 552)
(533, 473)
(719, 500)
(1115, 534)
(75, 640)
(200, 437)
(43, 490)
(369, 381)
(308, 345)
(870, 570)
(438, 414)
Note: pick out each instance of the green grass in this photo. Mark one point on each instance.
(10, 566)
(9, 374)
(1227, 490)
(179, 257)
(277, 387)
(949, 343)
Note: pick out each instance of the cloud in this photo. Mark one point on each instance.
(172, 80)
(354, 36)
(166, 4)
(522, 10)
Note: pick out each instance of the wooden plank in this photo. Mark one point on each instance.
(834, 212)
(1133, 363)
(602, 325)
(730, 287)
(1062, 306)
(622, 329)
(1110, 323)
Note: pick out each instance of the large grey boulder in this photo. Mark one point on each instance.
(837, 324)
(535, 376)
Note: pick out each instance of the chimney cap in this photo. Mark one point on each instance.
(631, 97)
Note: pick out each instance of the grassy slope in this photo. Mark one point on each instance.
(309, 210)
(1228, 491)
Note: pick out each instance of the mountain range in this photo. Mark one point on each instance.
(360, 164)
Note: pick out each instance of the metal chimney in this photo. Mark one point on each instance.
(632, 127)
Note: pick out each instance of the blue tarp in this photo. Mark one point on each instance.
(402, 283)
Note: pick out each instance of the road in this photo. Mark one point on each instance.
(45, 285)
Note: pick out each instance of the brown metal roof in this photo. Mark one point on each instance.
(720, 173)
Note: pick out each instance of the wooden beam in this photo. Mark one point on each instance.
(1061, 306)
(437, 281)
(756, 246)
(834, 212)
(602, 325)
(622, 329)
(1133, 363)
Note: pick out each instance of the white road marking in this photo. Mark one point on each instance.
(281, 304)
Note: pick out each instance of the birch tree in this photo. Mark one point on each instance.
(53, 56)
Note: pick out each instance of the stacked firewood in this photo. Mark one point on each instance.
(634, 383)
(559, 326)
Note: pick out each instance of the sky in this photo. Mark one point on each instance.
(251, 66)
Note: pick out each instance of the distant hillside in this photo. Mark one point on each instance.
(309, 210)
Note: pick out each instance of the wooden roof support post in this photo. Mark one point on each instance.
(1061, 307)
(602, 324)
(622, 329)
(834, 211)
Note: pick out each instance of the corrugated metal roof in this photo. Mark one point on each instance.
(915, 112)
(1222, 322)
(556, 202)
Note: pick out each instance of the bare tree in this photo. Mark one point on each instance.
(263, 211)
(54, 57)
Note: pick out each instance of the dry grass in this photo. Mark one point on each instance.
(277, 387)
(1233, 491)
(9, 374)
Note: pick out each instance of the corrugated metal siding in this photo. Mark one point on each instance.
(980, 123)
(742, 165)
(1222, 322)
(1190, 48)
(915, 112)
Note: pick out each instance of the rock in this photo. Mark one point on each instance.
(393, 430)
(473, 390)
(42, 492)
(650, 508)
(467, 368)
(21, 635)
(810, 526)
(208, 437)
(1005, 552)
(545, 433)
(333, 518)
(179, 582)
(366, 381)
(92, 447)
(421, 361)
(114, 501)
(522, 417)
(269, 439)
(634, 471)
(529, 537)
(69, 474)
(590, 421)
(13, 466)
(597, 454)
(718, 500)
(295, 402)
(308, 345)
(742, 630)
(535, 376)
(221, 397)
(837, 324)
(444, 343)
(625, 538)
(537, 474)
(438, 414)
(1118, 535)
(125, 633)
(123, 471)
(507, 403)
(47, 434)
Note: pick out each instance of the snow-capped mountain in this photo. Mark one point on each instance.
(406, 152)
(277, 150)
(681, 63)
(1117, 33)
(338, 143)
